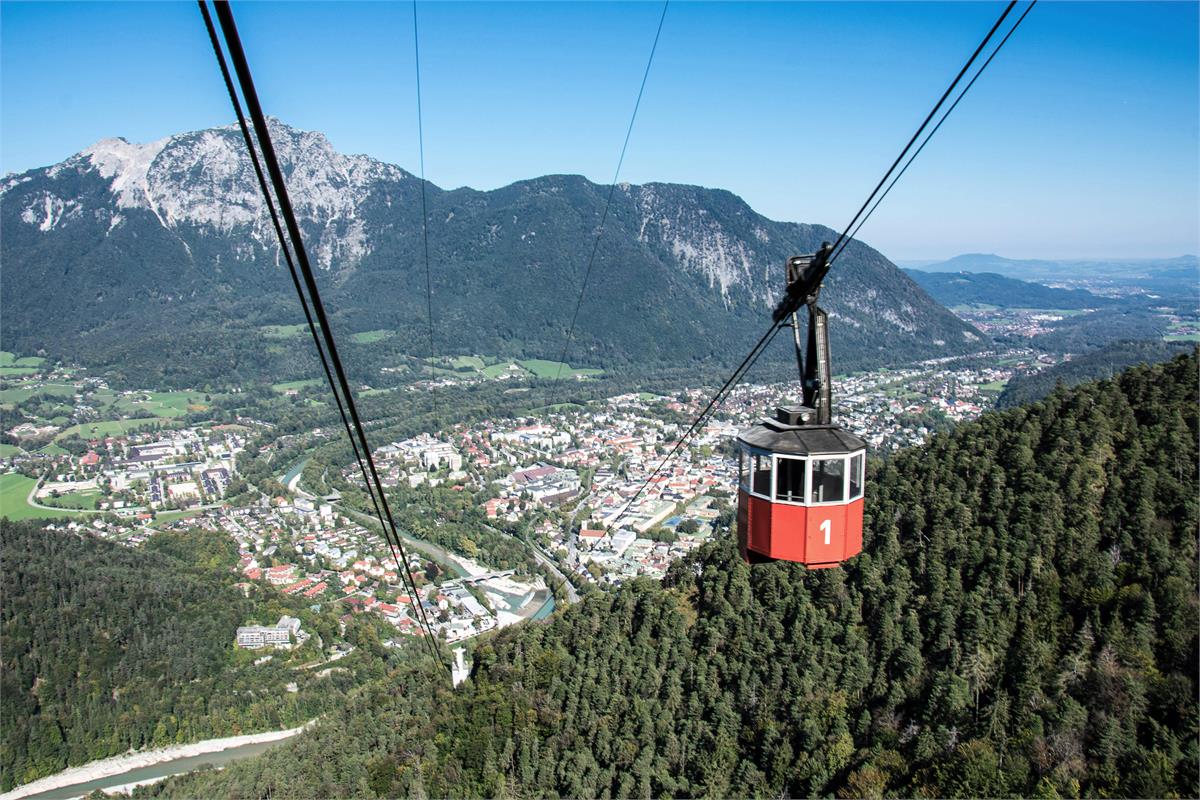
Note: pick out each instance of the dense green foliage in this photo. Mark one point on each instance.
(107, 649)
(1091, 331)
(1022, 621)
(1094, 365)
(968, 288)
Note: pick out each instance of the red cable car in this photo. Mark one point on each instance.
(800, 477)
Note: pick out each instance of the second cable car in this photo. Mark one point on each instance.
(800, 477)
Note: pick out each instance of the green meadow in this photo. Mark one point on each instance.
(114, 427)
(14, 493)
(283, 331)
(163, 404)
(289, 385)
(370, 337)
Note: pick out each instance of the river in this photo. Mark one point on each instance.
(292, 473)
(150, 772)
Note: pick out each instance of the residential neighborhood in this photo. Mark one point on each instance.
(585, 489)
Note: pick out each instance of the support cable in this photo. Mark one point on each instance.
(241, 67)
(843, 239)
(950, 110)
(287, 255)
(424, 203)
(608, 202)
(713, 404)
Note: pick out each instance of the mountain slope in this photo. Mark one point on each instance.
(1022, 621)
(125, 252)
(107, 649)
(966, 288)
(1095, 365)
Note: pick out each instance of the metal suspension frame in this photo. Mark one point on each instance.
(804, 277)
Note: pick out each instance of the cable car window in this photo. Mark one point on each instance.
(789, 479)
(856, 476)
(762, 474)
(743, 468)
(828, 480)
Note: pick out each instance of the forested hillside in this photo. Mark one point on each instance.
(968, 288)
(106, 649)
(1091, 366)
(1023, 621)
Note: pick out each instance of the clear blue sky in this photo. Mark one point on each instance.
(1080, 141)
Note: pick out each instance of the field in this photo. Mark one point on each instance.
(8, 359)
(472, 362)
(538, 367)
(994, 386)
(558, 407)
(370, 337)
(74, 500)
(163, 404)
(289, 385)
(17, 372)
(14, 490)
(171, 516)
(549, 369)
(115, 427)
(1182, 337)
(9, 450)
(496, 370)
(283, 331)
(24, 391)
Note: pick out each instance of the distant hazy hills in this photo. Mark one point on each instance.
(962, 288)
(1033, 267)
(1174, 282)
(160, 258)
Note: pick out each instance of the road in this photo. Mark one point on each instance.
(444, 557)
(548, 563)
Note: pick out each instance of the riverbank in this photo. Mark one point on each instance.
(118, 765)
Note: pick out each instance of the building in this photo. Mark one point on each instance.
(254, 637)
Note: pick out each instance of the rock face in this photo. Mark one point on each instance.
(168, 240)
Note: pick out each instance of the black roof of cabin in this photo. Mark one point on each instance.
(801, 440)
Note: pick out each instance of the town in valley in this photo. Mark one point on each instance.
(563, 483)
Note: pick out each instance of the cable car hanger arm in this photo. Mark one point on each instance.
(804, 276)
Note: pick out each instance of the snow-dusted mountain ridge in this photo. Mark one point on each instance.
(105, 236)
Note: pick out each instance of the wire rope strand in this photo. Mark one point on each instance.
(945, 116)
(759, 348)
(587, 273)
(287, 255)
(241, 67)
(928, 117)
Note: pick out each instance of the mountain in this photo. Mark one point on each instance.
(1172, 283)
(989, 262)
(971, 288)
(1022, 622)
(158, 260)
(1028, 268)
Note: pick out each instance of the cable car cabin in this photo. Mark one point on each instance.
(800, 492)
